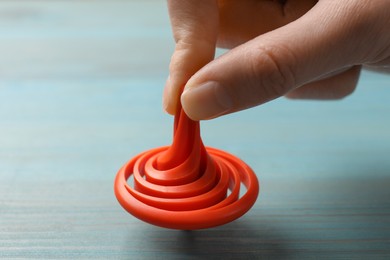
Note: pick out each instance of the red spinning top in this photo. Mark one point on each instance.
(185, 185)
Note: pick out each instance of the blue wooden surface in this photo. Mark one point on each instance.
(80, 94)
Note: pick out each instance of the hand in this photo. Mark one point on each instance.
(296, 48)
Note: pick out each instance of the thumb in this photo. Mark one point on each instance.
(325, 39)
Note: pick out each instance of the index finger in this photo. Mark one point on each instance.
(195, 29)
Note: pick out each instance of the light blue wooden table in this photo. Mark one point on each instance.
(80, 94)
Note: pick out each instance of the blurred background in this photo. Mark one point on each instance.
(80, 94)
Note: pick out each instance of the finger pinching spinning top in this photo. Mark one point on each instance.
(186, 185)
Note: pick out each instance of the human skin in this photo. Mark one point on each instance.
(301, 49)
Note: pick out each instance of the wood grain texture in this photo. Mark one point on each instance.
(80, 94)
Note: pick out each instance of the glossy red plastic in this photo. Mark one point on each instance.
(186, 185)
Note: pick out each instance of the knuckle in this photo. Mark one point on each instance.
(274, 66)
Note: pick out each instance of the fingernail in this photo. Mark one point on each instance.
(206, 101)
(165, 101)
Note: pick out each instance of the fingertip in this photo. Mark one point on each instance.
(168, 102)
(168, 107)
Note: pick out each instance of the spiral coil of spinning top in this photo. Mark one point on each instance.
(186, 185)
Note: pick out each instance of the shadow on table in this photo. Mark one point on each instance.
(240, 240)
